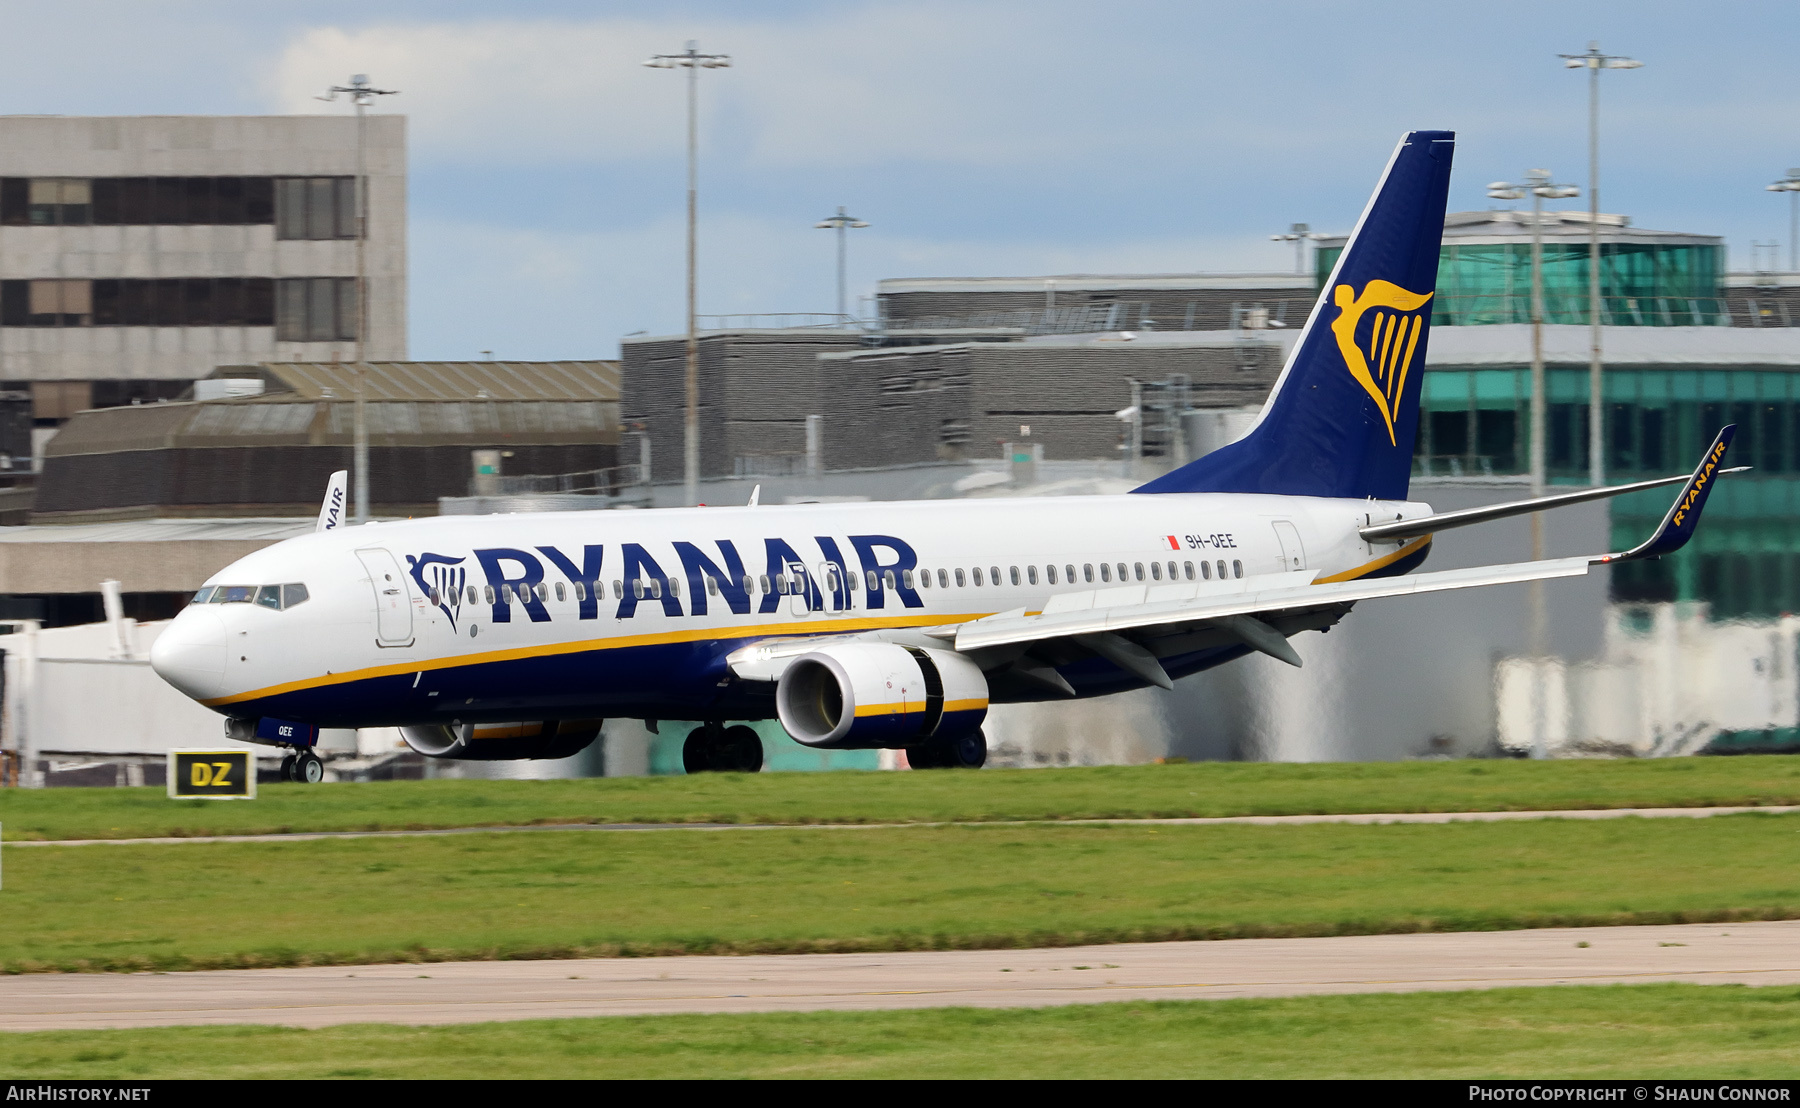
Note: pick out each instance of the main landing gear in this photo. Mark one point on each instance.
(713, 747)
(967, 752)
(303, 766)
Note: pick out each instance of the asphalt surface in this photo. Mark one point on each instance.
(1199, 821)
(470, 992)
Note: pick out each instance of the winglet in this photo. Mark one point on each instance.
(331, 512)
(1684, 515)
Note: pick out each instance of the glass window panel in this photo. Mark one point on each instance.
(346, 309)
(197, 195)
(259, 200)
(345, 189)
(321, 309)
(269, 596)
(15, 201)
(134, 200)
(196, 302)
(290, 207)
(168, 201)
(259, 302)
(960, 583)
(295, 594)
(202, 596)
(321, 211)
(234, 594)
(228, 201)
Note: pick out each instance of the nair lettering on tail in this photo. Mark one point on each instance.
(880, 624)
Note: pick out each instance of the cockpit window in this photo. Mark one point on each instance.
(275, 597)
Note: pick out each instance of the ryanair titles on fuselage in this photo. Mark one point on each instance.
(636, 577)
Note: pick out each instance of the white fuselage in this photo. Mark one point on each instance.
(632, 613)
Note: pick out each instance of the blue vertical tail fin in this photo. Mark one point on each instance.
(1343, 415)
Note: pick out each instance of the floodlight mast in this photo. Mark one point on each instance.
(693, 61)
(1539, 187)
(1791, 185)
(841, 222)
(361, 94)
(1299, 234)
(1594, 61)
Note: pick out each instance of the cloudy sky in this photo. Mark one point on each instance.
(978, 138)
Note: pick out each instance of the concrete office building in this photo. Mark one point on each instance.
(138, 253)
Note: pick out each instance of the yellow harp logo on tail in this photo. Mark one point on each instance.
(1380, 356)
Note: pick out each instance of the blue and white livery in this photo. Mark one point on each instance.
(881, 624)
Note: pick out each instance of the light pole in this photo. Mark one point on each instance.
(361, 94)
(1594, 61)
(841, 222)
(693, 61)
(1791, 185)
(1539, 187)
(1298, 234)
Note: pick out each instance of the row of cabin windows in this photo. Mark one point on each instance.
(301, 309)
(782, 584)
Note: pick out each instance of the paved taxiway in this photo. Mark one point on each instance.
(466, 992)
(1193, 821)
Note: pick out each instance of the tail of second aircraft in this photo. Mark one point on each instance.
(1345, 410)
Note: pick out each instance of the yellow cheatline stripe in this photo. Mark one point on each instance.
(900, 709)
(581, 646)
(913, 706)
(1370, 567)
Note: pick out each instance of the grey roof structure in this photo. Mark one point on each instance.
(595, 380)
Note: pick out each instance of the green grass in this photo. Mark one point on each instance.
(557, 894)
(1636, 1031)
(1203, 789)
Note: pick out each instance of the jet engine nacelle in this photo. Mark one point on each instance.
(862, 695)
(497, 742)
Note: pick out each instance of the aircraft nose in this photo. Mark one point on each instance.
(190, 654)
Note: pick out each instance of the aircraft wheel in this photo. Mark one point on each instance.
(700, 752)
(923, 757)
(287, 768)
(968, 752)
(308, 768)
(741, 750)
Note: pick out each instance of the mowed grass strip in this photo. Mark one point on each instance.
(1630, 1031)
(1102, 792)
(557, 894)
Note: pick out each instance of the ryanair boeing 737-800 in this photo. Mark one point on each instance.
(878, 624)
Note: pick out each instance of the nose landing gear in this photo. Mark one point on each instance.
(303, 766)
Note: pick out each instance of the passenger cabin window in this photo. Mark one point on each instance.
(1155, 572)
(1206, 570)
(960, 583)
(906, 578)
(977, 572)
(1139, 566)
(1015, 574)
(1122, 576)
(1189, 567)
(560, 595)
(1050, 574)
(888, 579)
(1237, 569)
(712, 586)
(1087, 573)
(674, 586)
(1221, 569)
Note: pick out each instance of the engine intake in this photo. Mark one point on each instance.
(502, 742)
(862, 695)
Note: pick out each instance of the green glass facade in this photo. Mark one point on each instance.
(1745, 560)
(1641, 285)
